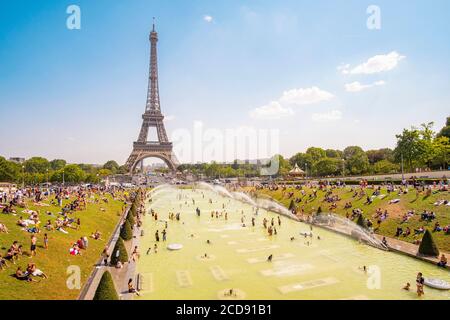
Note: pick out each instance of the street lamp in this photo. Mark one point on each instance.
(47, 177)
(63, 181)
(306, 170)
(343, 168)
(403, 173)
(23, 177)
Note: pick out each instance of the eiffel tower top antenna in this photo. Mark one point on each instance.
(153, 24)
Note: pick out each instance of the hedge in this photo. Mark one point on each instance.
(126, 233)
(119, 253)
(106, 289)
(428, 246)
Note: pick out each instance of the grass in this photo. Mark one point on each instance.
(56, 259)
(388, 227)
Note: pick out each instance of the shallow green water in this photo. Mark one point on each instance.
(326, 269)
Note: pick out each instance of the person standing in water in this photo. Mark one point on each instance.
(419, 282)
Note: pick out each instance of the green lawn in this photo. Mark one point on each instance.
(396, 211)
(55, 261)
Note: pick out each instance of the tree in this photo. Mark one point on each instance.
(106, 289)
(130, 219)
(408, 147)
(328, 166)
(361, 222)
(119, 253)
(316, 154)
(441, 151)
(428, 246)
(57, 164)
(356, 160)
(112, 166)
(385, 166)
(126, 232)
(73, 174)
(331, 153)
(36, 165)
(445, 131)
(381, 154)
(291, 205)
(104, 173)
(9, 171)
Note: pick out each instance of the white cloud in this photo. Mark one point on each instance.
(305, 96)
(169, 118)
(208, 18)
(282, 107)
(375, 64)
(356, 86)
(273, 110)
(333, 115)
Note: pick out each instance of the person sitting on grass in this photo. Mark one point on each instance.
(75, 250)
(3, 263)
(96, 235)
(419, 231)
(25, 276)
(31, 269)
(3, 228)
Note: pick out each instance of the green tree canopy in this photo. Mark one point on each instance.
(356, 160)
(112, 166)
(57, 164)
(328, 167)
(9, 171)
(316, 154)
(445, 131)
(36, 165)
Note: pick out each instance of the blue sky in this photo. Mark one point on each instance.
(310, 69)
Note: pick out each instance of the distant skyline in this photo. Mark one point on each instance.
(311, 72)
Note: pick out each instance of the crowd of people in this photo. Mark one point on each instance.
(62, 210)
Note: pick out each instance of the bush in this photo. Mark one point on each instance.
(361, 222)
(126, 233)
(133, 209)
(106, 289)
(291, 205)
(428, 246)
(119, 253)
(130, 219)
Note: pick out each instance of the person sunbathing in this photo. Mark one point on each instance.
(96, 235)
(31, 269)
(20, 275)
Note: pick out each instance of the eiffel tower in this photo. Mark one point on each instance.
(152, 117)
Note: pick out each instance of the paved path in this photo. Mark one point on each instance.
(410, 249)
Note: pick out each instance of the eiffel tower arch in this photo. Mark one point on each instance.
(152, 118)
